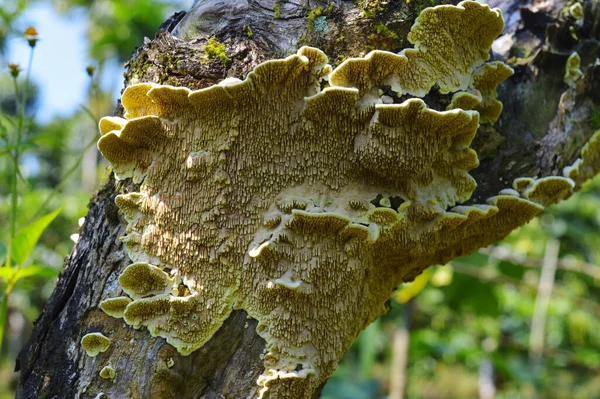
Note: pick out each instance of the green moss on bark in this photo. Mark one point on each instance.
(216, 49)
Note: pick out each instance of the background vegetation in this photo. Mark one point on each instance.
(517, 320)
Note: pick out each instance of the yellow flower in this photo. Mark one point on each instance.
(15, 69)
(32, 36)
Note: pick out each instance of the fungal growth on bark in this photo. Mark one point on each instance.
(449, 42)
(108, 373)
(303, 205)
(588, 165)
(94, 343)
(481, 95)
(115, 307)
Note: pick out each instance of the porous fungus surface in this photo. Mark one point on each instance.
(94, 343)
(301, 205)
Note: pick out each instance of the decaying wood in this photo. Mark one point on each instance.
(542, 129)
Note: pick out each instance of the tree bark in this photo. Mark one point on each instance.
(542, 129)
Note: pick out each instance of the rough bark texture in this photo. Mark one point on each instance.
(542, 129)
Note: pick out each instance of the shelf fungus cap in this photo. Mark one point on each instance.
(449, 59)
(549, 190)
(572, 171)
(143, 279)
(509, 191)
(522, 183)
(94, 343)
(589, 165)
(482, 95)
(486, 79)
(517, 211)
(108, 373)
(115, 307)
(370, 71)
(465, 100)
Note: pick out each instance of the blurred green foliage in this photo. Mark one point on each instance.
(471, 314)
(10, 11)
(116, 27)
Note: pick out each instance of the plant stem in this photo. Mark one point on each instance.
(13, 180)
(20, 104)
(10, 284)
(28, 77)
(3, 314)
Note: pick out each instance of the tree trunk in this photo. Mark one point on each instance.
(543, 127)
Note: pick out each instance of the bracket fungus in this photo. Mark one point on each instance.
(94, 343)
(481, 94)
(108, 373)
(446, 59)
(301, 205)
(115, 307)
(588, 165)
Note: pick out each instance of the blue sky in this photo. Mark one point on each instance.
(60, 59)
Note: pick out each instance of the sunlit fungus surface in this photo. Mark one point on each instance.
(301, 205)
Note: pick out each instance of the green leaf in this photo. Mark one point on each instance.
(469, 293)
(6, 272)
(37, 271)
(512, 270)
(27, 238)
